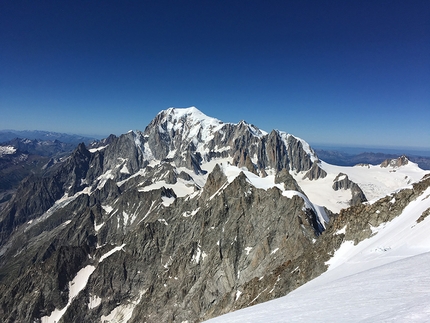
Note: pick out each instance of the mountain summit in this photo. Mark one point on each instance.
(187, 220)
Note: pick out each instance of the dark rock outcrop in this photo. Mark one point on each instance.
(343, 182)
(315, 172)
(395, 162)
(289, 182)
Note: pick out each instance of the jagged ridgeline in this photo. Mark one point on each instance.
(187, 220)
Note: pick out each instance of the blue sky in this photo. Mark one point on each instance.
(330, 72)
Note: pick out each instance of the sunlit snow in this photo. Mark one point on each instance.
(75, 286)
(375, 182)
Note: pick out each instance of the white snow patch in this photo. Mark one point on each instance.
(97, 227)
(7, 150)
(341, 231)
(182, 188)
(274, 251)
(107, 208)
(171, 153)
(104, 178)
(75, 286)
(125, 217)
(140, 172)
(94, 301)
(124, 170)
(238, 293)
(192, 213)
(111, 252)
(248, 250)
(93, 150)
(163, 221)
(341, 178)
(149, 211)
(57, 205)
(222, 149)
(167, 200)
(198, 255)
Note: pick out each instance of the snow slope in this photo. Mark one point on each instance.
(382, 279)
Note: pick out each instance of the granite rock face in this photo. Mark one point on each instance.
(315, 172)
(185, 261)
(395, 162)
(343, 182)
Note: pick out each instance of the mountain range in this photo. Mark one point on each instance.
(187, 220)
(40, 135)
(341, 158)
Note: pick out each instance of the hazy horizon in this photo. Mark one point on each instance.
(349, 149)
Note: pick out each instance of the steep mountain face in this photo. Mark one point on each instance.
(187, 220)
(369, 248)
(343, 182)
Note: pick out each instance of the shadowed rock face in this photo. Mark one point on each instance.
(315, 172)
(36, 195)
(343, 182)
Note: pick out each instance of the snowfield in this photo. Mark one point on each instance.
(389, 293)
(382, 279)
(374, 180)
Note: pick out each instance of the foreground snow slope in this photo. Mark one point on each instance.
(397, 292)
(383, 278)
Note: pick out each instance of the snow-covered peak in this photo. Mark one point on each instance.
(187, 123)
(7, 150)
(192, 114)
(256, 132)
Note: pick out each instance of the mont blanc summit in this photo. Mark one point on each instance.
(184, 221)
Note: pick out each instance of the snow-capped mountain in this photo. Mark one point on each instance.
(189, 219)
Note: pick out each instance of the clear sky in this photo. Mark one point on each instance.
(330, 72)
